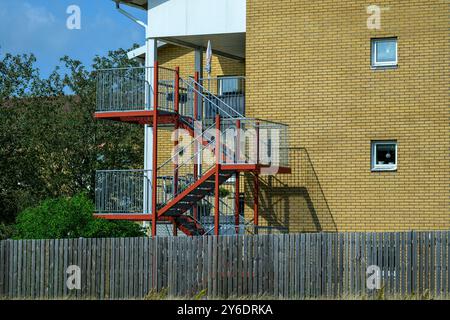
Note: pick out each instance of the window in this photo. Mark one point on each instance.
(229, 85)
(384, 155)
(384, 52)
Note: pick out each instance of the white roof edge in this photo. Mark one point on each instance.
(140, 52)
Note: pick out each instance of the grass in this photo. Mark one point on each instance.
(203, 295)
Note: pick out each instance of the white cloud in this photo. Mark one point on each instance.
(37, 16)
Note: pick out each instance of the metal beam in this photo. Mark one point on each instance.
(131, 3)
(185, 44)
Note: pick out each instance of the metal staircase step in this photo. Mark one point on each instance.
(187, 223)
(182, 203)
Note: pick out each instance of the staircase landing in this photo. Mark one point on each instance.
(140, 117)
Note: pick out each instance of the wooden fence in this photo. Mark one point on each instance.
(287, 266)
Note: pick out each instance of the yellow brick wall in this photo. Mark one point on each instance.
(308, 65)
(171, 56)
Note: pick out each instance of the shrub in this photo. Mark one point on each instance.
(70, 218)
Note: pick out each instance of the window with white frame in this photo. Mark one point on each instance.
(229, 85)
(384, 52)
(384, 155)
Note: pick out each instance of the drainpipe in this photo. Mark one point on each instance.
(130, 16)
(150, 58)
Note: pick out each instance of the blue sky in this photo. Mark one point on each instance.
(39, 27)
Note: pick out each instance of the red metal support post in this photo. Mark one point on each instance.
(177, 125)
(155, 149)
(257, 142)
(177, 91)
(256, 183)
(236, 183)
(196, 79)
(216, 184)
(236, 202)
(256, 202)
(175, 229)
(176, 106)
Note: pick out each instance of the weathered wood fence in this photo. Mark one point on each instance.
(290, 266)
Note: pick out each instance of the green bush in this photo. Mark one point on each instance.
(70, 218)
(223, 192)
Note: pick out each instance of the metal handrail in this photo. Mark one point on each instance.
(138, 67)
(208, 92)
(257, 120)
(203, 96)
(184, 149)
(193, 156)
(204, 169)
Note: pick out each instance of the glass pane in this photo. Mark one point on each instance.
(386, 50)
(230, 85)
(385, 154)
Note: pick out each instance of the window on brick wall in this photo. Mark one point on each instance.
(384, 52)
(384, 155)
(229, 85)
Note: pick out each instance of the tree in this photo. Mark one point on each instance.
(50, 144)
(70, 217)
(6, 231)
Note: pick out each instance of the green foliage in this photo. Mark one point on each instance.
(201, 295)
(153, 294)
(50, 144)
(223, 192)
(6, 231)
(70, 218)
(381, 294)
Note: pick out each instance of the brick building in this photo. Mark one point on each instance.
(362, 86)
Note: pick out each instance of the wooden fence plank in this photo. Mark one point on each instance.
(282, 267)
(363, 264)
(438, 266)
(308, 287)
(210, 275)
(432, 263)
(427, 263)
(215, 273)
(2, 268)
(444, 263)
(276, 256)
(302, 263)
(403, 259)
(6, 264)
(391, 264)
(397, 257)
(448, 262)
(291, 259)
(410, 262)
(106, 274)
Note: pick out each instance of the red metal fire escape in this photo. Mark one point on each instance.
(191, 182)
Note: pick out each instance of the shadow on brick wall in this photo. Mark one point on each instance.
(292, 202)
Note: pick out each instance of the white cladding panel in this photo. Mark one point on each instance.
(174, 18)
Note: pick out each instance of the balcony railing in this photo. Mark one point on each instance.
(122, 191)
(126, 89)
(254, 141)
